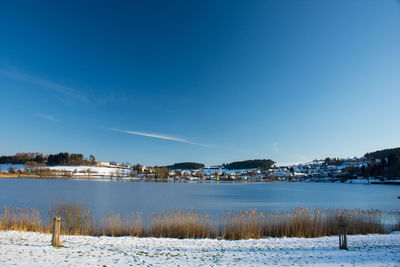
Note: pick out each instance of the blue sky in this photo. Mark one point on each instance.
(158, 82)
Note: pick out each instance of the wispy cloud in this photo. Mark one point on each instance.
(62, 92)
(45, 116)
(160, 136)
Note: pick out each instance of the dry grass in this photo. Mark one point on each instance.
(114, 224)
(299, 222)
(75, 219)
(22, 220)
(397, 221)
(243, 225)
(181, 224)
(304, 222)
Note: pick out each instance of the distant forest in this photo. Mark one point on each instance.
(385, 153)
(250, 164)
(186, 166)
(49, 160)
(388, 165)
(247, 164)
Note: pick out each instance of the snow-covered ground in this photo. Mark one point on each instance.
(80, 171)
(93, 171)
(33, 249)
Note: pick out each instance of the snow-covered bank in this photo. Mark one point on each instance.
(33, 249)
(87, 171)
(93, 171)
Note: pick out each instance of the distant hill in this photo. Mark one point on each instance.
(250, 164)
(186, 166)
(388, 166)
(385, 153)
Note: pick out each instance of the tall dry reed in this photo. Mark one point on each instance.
(114, 224)
(75, 219)
(18, 219)
(180, 224)
(299, 222)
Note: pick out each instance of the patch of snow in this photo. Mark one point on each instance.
(33, 249)
(93, 171)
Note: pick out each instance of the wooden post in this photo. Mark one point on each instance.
(56, 232)
(343, 236)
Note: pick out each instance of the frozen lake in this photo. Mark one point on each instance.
(103, 197)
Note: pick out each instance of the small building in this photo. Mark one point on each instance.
(103, 163)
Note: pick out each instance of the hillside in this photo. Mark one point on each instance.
(385, 153)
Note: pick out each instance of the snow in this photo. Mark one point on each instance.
(80, 171)
(33, 249)
(95, 171)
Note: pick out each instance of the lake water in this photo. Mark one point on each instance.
(103, 197)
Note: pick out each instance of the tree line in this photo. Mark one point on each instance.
(381, 163)
(264, 164)
(63, 158)
(186, 166)
(388, 163)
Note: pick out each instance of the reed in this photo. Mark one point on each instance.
(243, 225)
(18, 219)
(181, 224)
(299, 222)
(114, 224)
(304, 222)
(75, 219)
(397, 221)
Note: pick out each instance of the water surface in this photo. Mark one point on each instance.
(103, 197)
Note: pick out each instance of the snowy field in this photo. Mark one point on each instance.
(93, 171)
(33, 249)
(79, 171)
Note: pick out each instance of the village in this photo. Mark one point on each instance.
(313, 171)
(350, 170)
(317, 170)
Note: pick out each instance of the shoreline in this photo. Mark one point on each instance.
(18, 175)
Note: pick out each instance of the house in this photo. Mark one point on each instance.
(103, 164)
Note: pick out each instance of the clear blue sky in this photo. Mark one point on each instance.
(158, 82)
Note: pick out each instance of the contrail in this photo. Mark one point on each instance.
(160, 136)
